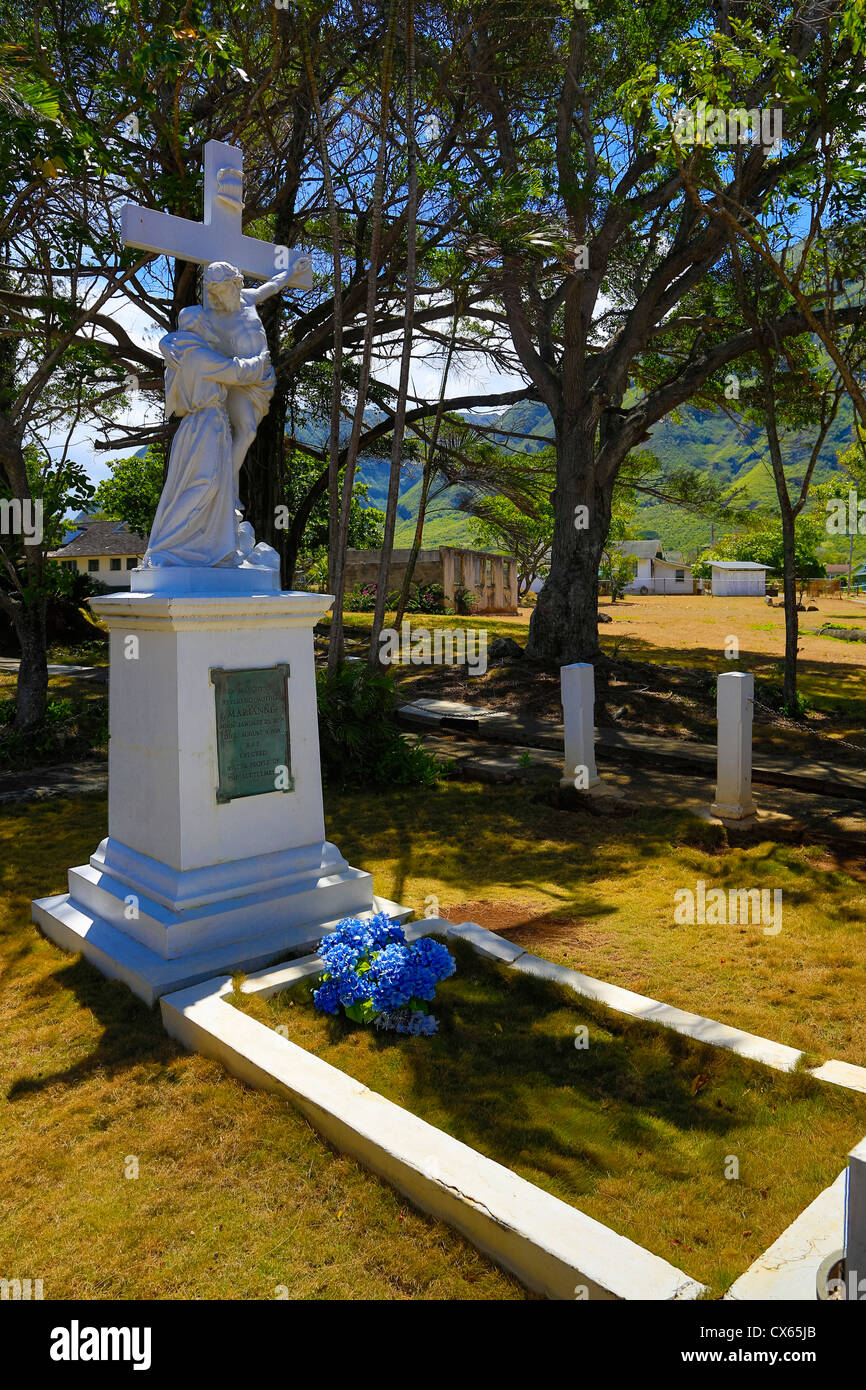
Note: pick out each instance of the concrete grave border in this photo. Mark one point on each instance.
(625, 1001)
(787, 1270)
(551, 1246)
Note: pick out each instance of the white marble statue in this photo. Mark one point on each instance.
(231, 311)
(217, 368)
(197, 522)
(219, 378)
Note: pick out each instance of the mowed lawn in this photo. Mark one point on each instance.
(236, 1196)
(598, 894)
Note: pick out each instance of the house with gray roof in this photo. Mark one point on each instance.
(107, 550)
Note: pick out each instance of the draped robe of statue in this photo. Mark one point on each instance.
(196, 522)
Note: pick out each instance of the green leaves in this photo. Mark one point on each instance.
(854, 23)
(131, 491)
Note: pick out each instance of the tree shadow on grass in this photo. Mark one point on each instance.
(555, 855)
(474, 838)
(131, 1033)
(504, 1075)
(838, 689)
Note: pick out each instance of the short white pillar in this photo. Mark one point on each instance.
(577, 682)
(735, 704)
(855, 1233)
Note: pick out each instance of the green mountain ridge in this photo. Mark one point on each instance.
(731, 450)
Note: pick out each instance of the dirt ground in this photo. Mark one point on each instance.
(661, 657)
(693, 623)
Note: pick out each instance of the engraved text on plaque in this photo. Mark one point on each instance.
(252, 724)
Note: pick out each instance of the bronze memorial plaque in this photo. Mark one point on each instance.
(252, 723)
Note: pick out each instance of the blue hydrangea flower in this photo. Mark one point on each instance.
(435, 957)
(326, 998)
(352, 988)
(349, 933)
(383, 932)
(371, 960)
(423, 1025)
(341, 960)
(391, 986)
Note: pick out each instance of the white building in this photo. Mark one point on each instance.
(737, 578)
(657, 572)
(106, 549)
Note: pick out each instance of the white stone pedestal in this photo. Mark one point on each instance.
(577, 684)
(186, 886)
(735, 703)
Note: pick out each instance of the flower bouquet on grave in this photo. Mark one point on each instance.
(376, 976)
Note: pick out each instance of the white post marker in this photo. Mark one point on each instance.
(220, 237)
(577, 683)
(855, 1233)
(735, 704)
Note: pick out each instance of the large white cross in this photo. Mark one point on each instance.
(220, 237)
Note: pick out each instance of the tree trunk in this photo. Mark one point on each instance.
(564, 623)
(337, 365)
(295, 533)
(32, 692)
(28, 617)
(792, 621)
(430, 451)
(406, 353)
(263, 472)
(337, 562)
(416, 543)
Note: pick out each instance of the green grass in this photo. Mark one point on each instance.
(360, 625)
(606, 887)
(637, 1129)
(839, 688)
(236, 1194)
(93, 653)
(76, 726)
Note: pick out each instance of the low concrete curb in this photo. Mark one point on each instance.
(551, 1246)
(788, 1269)
(620, 746)
(624, 1001)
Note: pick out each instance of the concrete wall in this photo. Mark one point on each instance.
(362, 567)
(738, 583)
(492, 578)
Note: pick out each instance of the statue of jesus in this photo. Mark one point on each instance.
(219, 380)
(238, 331)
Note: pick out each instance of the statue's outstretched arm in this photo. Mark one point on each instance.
(296, 271)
